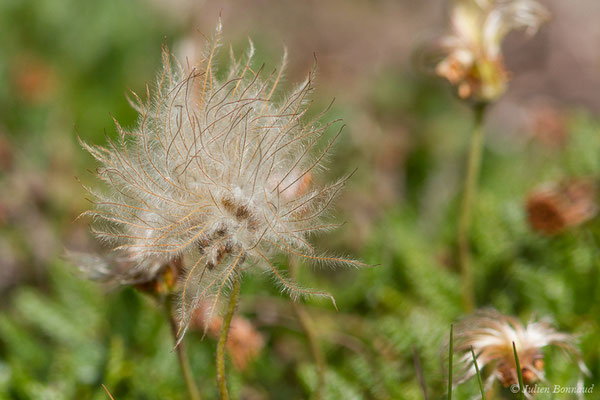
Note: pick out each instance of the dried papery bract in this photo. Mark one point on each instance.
(491, 336)
(554, 208)
(548, 124)
(216, 173)
(471, 56)
(244, 342)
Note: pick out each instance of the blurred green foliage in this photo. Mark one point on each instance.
(62, 337)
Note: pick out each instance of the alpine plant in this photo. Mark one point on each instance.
(216, 177)
(471, 51)
(491, 335)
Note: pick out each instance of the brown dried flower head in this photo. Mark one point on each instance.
(555, 208)
(491, 335)
(217, 173)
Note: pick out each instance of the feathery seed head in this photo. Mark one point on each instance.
(217, 173)
(491, 336)
(472, 50)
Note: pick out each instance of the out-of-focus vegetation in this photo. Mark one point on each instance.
(65, 65)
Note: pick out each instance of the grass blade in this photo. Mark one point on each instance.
(478, 374)
(519, 374)
(107, 392)
(450, 355)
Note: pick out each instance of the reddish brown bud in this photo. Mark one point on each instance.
(163, 282)
(34, 79)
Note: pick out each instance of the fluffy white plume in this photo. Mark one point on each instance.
(216, 173)
(491, 335)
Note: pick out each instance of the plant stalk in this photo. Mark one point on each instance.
(221, 376)
(307, 324)
(184, 362)
(467, 203)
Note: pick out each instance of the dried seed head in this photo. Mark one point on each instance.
(472, 58)
(217, 173)
(491, 335)
(554, 208)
